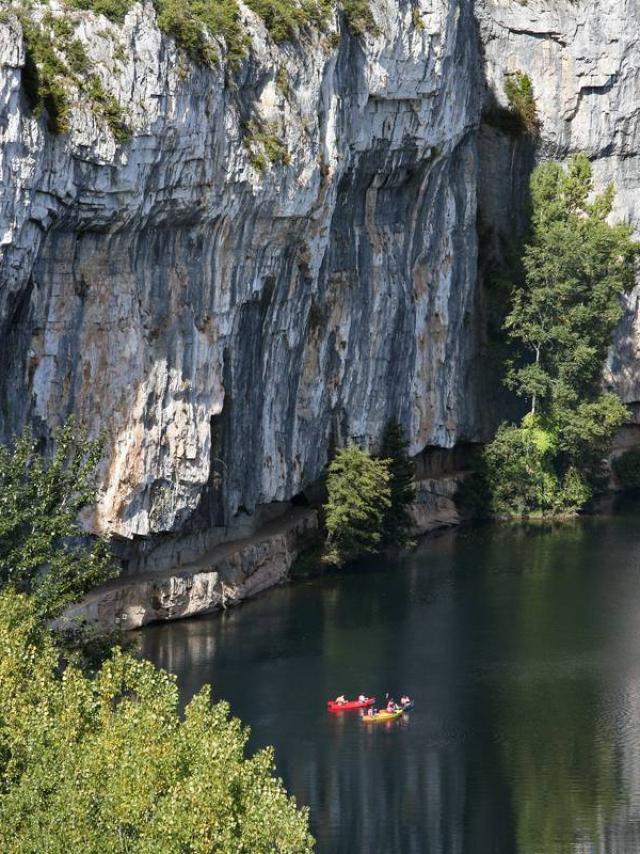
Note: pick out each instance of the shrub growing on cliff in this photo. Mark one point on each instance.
(42, 549)
(115, 10)
(286, 18)
(190, 22)
(359, 495)
(45, 75)
(359, 17)
(576, 267)
(397, 523)
(519, 91)
(56, 71)
(109, 765)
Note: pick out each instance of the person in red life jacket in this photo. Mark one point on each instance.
(391, 705)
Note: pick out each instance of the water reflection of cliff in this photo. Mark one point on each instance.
(522, 653)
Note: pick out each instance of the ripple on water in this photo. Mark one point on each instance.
(522, 650)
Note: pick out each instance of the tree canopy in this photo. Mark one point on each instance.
(359, 495)
(43, 550)
(397, 523)
(108, 765)
(576, 266)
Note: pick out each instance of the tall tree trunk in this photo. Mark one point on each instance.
(535, 397)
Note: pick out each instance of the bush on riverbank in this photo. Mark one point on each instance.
(367, 507)
(104, 762)
(109, 765)
(562, 317)
(358, 495)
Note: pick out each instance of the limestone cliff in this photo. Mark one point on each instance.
(227, 323)
(284, 254)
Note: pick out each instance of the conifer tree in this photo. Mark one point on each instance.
(359, 495)
(397, 523)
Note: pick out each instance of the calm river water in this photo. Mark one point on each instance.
(521, 646)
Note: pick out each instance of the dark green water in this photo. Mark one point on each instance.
(521, 647)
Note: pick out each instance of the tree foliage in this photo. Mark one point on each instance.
(626, 468)
(359, 495)
(108, 765)
(519, 91)
(397, 523)
(522, 476)
(192, 23)
(576, 267)
(43, 551)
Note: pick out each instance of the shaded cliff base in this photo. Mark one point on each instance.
(260, 551)
(222, 577)
(230, 571)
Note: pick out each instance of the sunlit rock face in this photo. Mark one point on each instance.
(584, 62)
(226, 324)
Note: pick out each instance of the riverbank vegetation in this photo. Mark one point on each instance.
(95, 755)
(358, 496)
(565, 305)
(368, 499)
(108, 764)
(397, 524)
(43, 550)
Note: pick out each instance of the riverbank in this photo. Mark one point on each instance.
(223, 577)
(232, 572)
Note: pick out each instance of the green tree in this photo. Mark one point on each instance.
(109, 765)
(519, 91)
(359, 495)
(397, 523)
(575, 266)
(43, 551)
(521, 472)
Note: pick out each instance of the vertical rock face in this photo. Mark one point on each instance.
(224, 318)
(284, 256)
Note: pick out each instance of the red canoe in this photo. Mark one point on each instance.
(332, 706)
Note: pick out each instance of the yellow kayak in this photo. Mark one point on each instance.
(381, 717)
